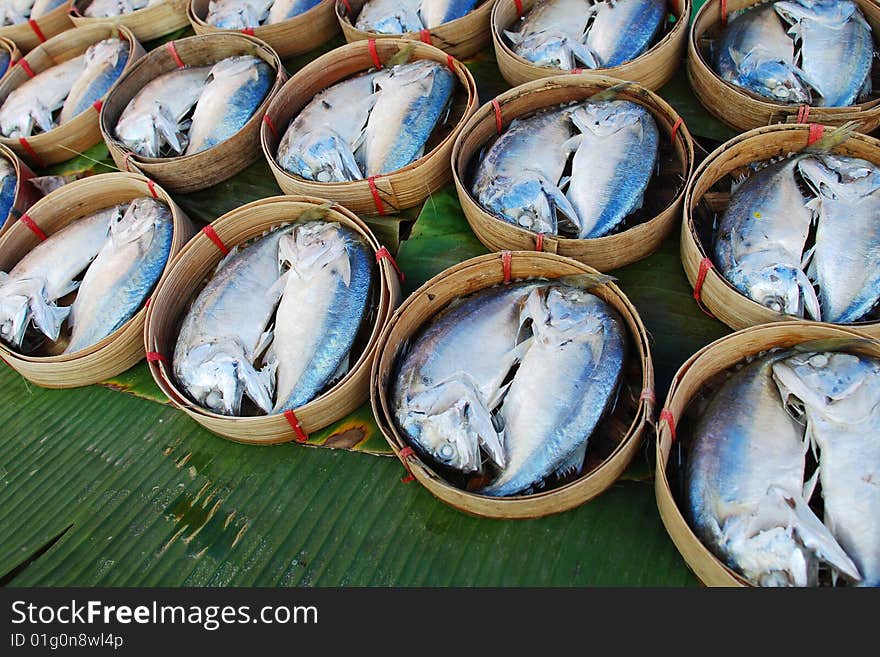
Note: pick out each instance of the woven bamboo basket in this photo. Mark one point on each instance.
(25, 193)
(401, 189)
(14, 55)
(190, 270)
(147, 24)
(32, 33)
(82, 132)
(461, 38)
(612, 445)
(124, 347)
(708, 194)
(690, 379)
(296, 35)
(743, 110)
(651, 69)
(190, 173)
(663, 198)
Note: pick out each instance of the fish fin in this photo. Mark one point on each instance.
(808, 294)
(810, 485)
(266, 340)
(48, 317)
(571, 144)
(3, 277)
(806, 259)
(277, 288)
(584, 54)
(586, 281)
(480, 420)
(833, 138)
(515, 38)
(341, 371)
(259, 384)
(343, 268)
(573, 463)
(564, 182)
(169, 129)
(561, 203)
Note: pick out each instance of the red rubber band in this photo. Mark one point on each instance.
(156, 357)
(248, 30)
(371, 45)
(31, 152)
(26, 68)
(425, 36)
(36, 230)
(674, 4)
(675, 126)
(705, 266)
(147, 302)
(98, 104)
(301, 436)
(126, 162)
(383, 253)
(348, 8)
(403, 455)
(519, 8)
(173, 50)
(152, 187)
(214, 237)
(506, 257)
(724, 12)
(450, 62)
(539, 242)
(648, 395)
(36, 28)
(271, 125)
(577, 70)
(377, 200)
(497, 107)
(667, 415)
(817, 130)
(803, 115)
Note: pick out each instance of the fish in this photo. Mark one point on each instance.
(4, 62)
(109, 8)
(761, 237)
(237, 87)
(756, 54)
(43, 7)
(566, 383)
(48, 272)
(551, 34)
(390, 16)
(13, 12)
(323, 141)
(839, 396)
(836, 48)
(8, 185)
(434, 13)
(104, 63)
(237, 14)
(744, 481)
(285, 9)
(411, 101)
(325, 300)
(518, 178)
(453, 375)
(123, 273)
(32, 104)
(228, 328)
(621, 30)
(156, 115)
(615, 157)
(845, 257)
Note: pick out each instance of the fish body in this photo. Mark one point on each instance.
(4, 62)
(155, 116)
(436, 12)
(840, 395)
(237, 87)
(411, 100)
(390, 16)
(745, 485)
(518, 178)
(621, 30)
(13, 12)
(551, 34)
(43, 7)
(284, 9)
(566, 383)
(48, 272)
(225, 331)
(760, 241)
(237, 14)
(32, 104)
(123, 273)
(613, 164)
(109, 8)
(8, 183)
(104, 63)
(325, 300)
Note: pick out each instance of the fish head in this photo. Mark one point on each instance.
(607, 117)
(140, 217)
(14, 314)
(829, 13)
(522, 201)
(834, 177)
(138, 132)
(774, 79)
(210, 375)
(108, 50)
(784, 289)
(324, 156)
(313, 246)
(547, 50)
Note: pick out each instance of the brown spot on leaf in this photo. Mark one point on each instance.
(346, 439)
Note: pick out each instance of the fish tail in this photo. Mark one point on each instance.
(834, 138)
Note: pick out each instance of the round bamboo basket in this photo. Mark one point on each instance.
(190, 173)
(14, 55)
(124, 347)
(32, 33)
(461, 38)
(690, 379)
(25, 193)
(309, 30)
(401, 189)
(651, 69)
(82, 132)
(743, 110)
(195, 264)
(708, 194)
(147, 24)
(663, 198)
(612, 445)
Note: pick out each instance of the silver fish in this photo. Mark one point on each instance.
(836, 48)
(566, 383)
(760, 240)
(32, 104)
(518, 178)
(155, 116)
(237, 14)
(436, 12)
(285, 9)
(621, 30)
(745, 485)
(13, 12)
(108, 8)
(613, 164)
(844, 262)
(840, 398)
(237, 87)
(8, 185)
(227, 329)
(123, 274)
(551, 34)
(43, 7)
(390, 16)
(322, 141)
(453, 376)
(325, 299)
(104, 62)
(410, 102)
(47, 273)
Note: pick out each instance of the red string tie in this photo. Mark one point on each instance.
(176, 57)
(36, 230)
(377, 200)
(374, 55)
(301, 436)
(384, 254)
(403, 455)
(667, 416)
(214, 237)
(506, 257)
(498, 123)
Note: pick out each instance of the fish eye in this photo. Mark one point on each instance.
(446, 452)
(775, 304)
